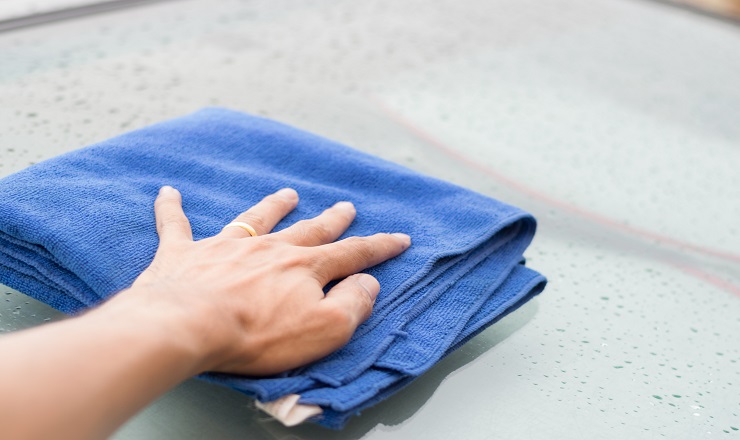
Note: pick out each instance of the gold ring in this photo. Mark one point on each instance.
(246, 226)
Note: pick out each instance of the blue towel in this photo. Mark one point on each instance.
(78, 228)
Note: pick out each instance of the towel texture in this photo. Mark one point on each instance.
(78, 228)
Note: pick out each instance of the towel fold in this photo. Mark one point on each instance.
(78, 228)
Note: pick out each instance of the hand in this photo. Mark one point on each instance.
(231, 303)
(255, 305)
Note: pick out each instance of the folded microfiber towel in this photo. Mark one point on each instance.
(377, 383)
(78, 228)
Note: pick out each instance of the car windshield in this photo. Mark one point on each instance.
(615, 122)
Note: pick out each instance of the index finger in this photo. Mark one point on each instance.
(353, 254)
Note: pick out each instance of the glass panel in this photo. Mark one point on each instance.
(614, 122)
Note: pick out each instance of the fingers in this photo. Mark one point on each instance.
(352, 300)
(351, 255)
(325, 228)
(172, 224)
(264, 215)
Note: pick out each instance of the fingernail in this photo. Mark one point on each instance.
(406, 239)
(347, 206)
(370, 284)
(167, 190)
(288, 193)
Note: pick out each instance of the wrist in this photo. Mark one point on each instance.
(151, 317)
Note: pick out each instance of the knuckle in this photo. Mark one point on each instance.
(310, 231)
(320, 230)
(171, 222)
(295, 259)
(340, 319)
(385, 243)
(277, 201)
(260, 244)
(161, 202)
(322, 271)
(361, 248)
(341, 212)
(254, 221)
(219, 247)
(301, 230)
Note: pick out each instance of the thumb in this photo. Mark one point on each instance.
(355, 296)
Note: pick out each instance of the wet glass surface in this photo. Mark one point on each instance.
(615, 122)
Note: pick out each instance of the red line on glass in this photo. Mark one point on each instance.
(592, 216)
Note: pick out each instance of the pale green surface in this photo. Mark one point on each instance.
(627, 110)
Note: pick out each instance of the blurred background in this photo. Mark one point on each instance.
(616, 122)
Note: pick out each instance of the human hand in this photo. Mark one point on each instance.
(255, 305)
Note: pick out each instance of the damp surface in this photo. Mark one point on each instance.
(614, 121)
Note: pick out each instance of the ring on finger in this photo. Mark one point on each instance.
(246, 226)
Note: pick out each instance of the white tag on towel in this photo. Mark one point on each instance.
(288, 411)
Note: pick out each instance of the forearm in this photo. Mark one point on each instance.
(83, 377)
